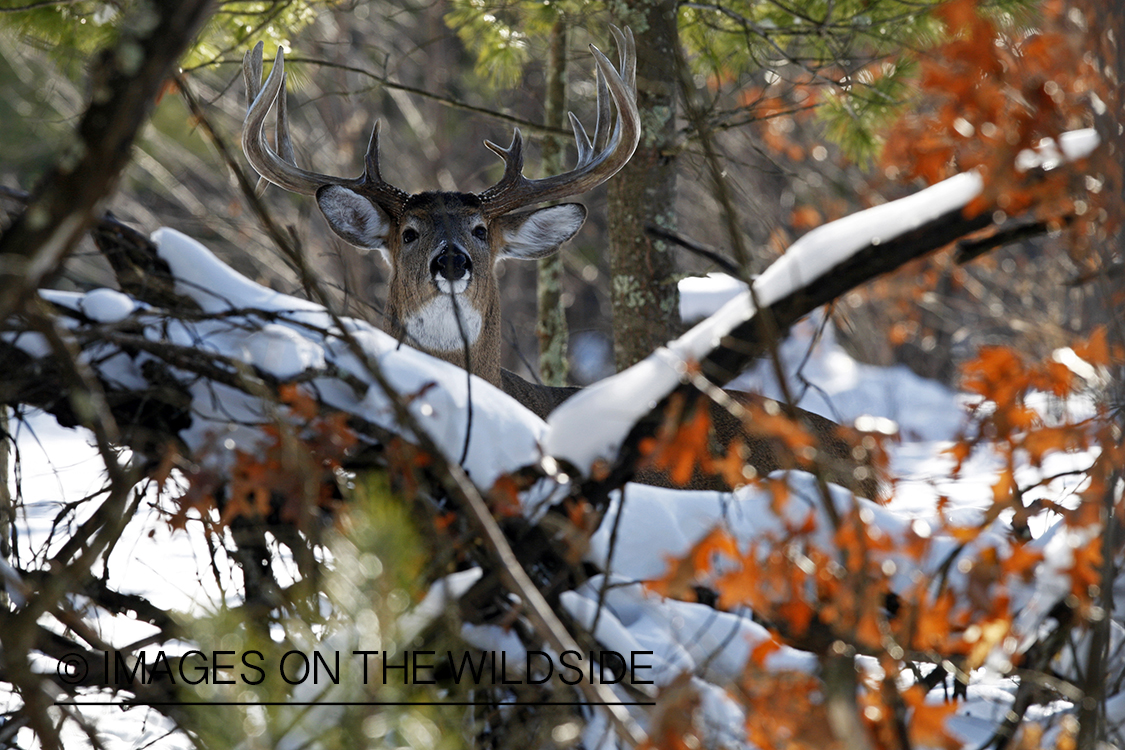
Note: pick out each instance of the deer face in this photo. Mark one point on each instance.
(442, 249)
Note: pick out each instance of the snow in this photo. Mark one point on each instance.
(60, 465)
(107, 306)
(848, 391)
(882, 399)
(591, 425)
(616, 403)
(1094, 376)
(278, 338)
(1070, 146)
(215, 286)
(702, 295)
(283, 352)
(286, 337)
(33, 343)
(813, 256)
(654, 525)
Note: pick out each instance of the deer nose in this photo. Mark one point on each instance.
(453, 264)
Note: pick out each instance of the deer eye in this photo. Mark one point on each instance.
(409, 235)
(480, 231)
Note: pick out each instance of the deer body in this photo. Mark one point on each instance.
(442, 247)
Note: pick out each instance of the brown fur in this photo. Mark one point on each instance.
(446, 217)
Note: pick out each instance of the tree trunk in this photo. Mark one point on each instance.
(646, 310)
(551, 325)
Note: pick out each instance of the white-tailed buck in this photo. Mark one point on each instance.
(442, 247)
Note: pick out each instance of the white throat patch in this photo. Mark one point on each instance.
(434, 326)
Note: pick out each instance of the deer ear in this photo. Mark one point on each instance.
(353, 217)
(537, 234)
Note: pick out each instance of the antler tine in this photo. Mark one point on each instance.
(586, 149)
(601, 125)
(627, 64)
(252, 72)
(252, 78)
(513, 165)
(372, 183)
(597, 161)
(280, 170)
(627, 55)
(281, 128)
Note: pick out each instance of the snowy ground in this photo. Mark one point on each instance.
(59, 466)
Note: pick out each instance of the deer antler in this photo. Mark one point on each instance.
(597, 161)
(281, 168)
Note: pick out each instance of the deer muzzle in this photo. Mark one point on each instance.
(451, 264)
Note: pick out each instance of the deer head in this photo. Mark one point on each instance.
(442, 247)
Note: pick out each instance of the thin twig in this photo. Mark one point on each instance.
(530, 127)
(694, 247)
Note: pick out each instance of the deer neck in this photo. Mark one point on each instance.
(449, 327)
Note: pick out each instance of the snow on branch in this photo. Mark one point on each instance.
(816, 269)
(245, 340)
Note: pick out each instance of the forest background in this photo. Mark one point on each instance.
(762, 121)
